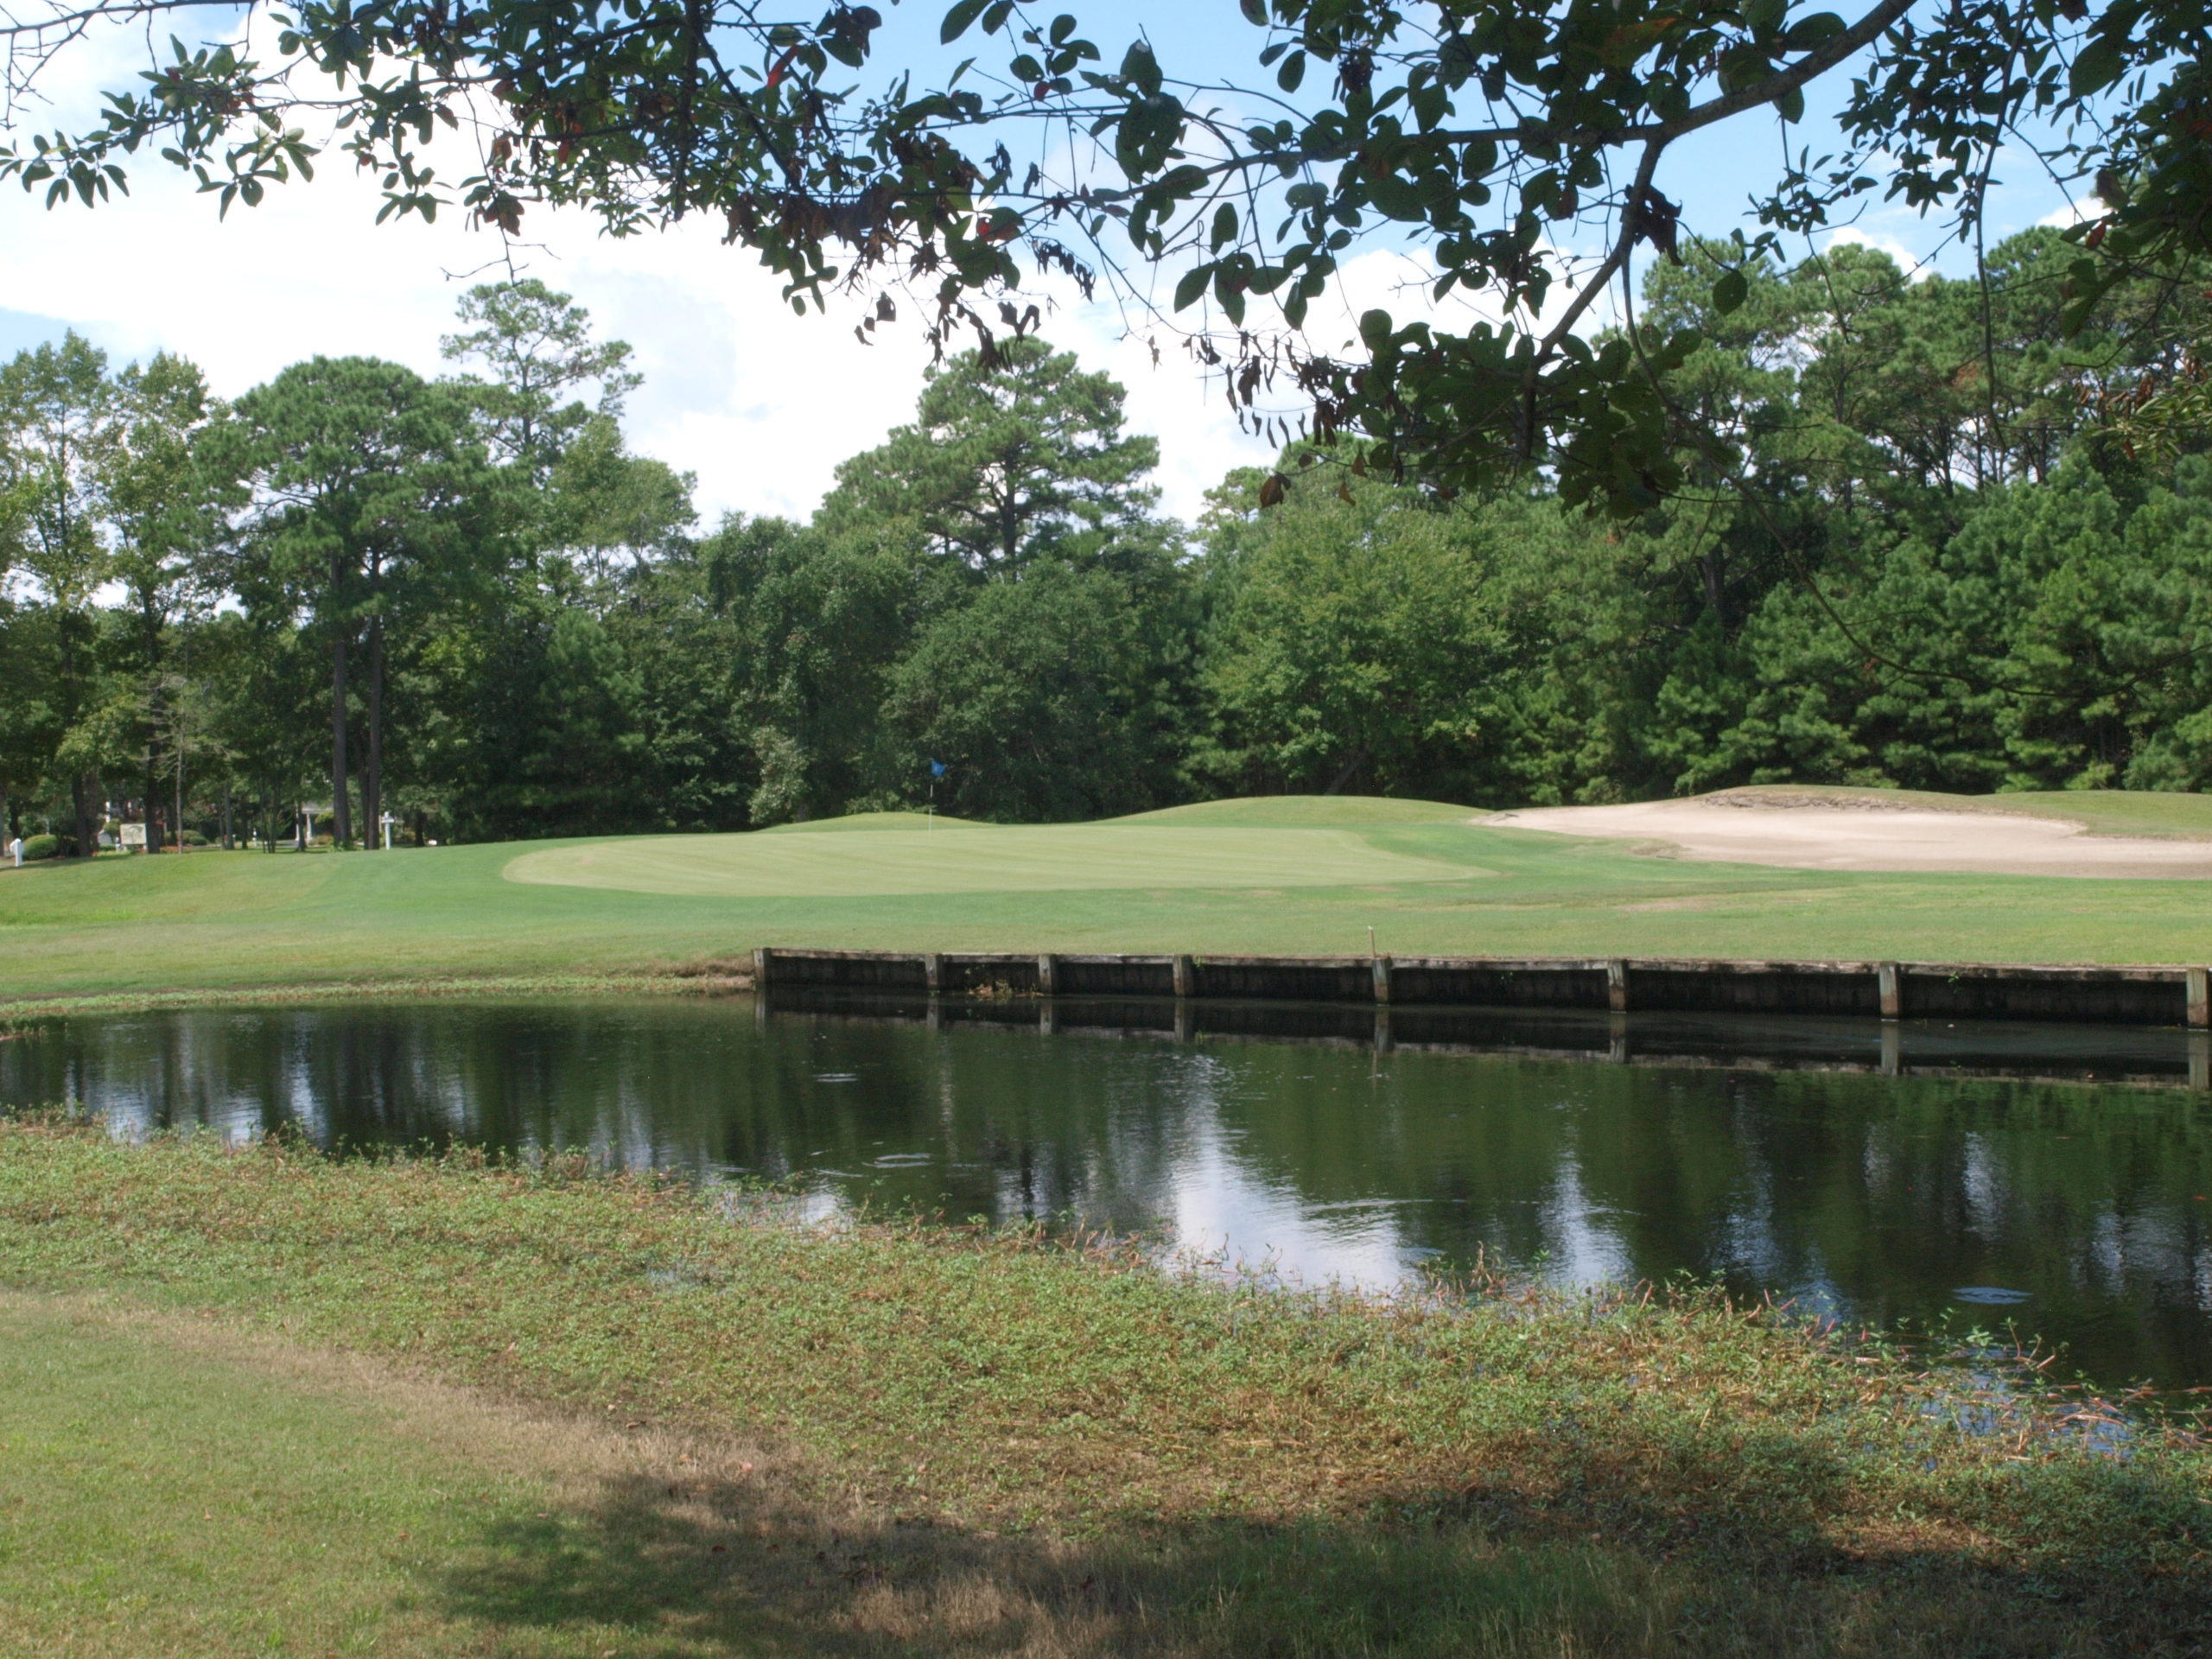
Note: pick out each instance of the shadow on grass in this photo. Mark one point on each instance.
(1724, 1559)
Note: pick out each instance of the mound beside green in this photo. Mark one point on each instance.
(1308, 811)
(870, 822)
(1038, 858)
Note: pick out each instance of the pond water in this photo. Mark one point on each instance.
(1878, 1178)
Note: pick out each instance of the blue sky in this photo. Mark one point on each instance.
(760, 405)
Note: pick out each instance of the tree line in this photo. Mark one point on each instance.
(1923, 552)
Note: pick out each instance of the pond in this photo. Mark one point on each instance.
(1880, 1177)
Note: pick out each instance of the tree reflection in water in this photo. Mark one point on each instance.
(2074, 1208)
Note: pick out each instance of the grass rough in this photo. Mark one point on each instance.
(1114, 1458)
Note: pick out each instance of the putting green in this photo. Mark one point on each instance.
(981, 859)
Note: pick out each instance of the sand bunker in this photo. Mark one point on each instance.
(1821, 837)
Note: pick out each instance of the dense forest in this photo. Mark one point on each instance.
(1930, 540)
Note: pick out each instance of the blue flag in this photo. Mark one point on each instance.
(936, 768)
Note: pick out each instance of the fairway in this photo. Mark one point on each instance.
(1039, 858)
(1284, 875)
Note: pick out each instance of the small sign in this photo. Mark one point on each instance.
(134, 835)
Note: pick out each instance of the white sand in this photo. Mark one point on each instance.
(1858, 838)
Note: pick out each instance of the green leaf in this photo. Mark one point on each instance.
(1229, 291)
(1809, 32)
(1791, 105)
(2100, 64)
(1764, 16)
(1625, 45)
(1139, 66)
(1193, 284)
(957, 20)
(1292, 72)
(1730, 292)
(1224, 225)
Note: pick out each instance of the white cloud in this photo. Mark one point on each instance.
(2074, 213)
(1909, 261)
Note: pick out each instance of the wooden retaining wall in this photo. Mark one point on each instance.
(2041, 1050)
(1890, 990)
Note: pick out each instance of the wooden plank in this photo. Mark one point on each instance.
(2150, 994)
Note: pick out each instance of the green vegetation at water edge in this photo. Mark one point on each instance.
(1288, 875)
(1099, 1455)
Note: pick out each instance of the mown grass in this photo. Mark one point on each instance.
(244, 920)
(967, 1442)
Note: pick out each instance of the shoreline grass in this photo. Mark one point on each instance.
(1115, 1459)
(707, 978)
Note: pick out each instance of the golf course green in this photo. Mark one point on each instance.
(1291, 876)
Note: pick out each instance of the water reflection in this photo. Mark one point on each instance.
(2076, 1208)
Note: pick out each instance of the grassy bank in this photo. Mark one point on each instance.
(1266, 876)
(543, 1411)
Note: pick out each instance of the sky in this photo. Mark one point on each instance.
(759, 403)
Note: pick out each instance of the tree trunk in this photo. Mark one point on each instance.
(1716, 593)
(82, 788)
(149, 633)
(150, 791)
(340, 819)
(373, 779)
(1350, 771)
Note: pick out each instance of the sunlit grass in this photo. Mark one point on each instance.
(1291, 876)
